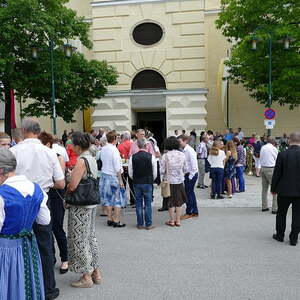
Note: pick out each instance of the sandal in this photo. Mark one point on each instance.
(97, 279)
(170, 223)
(177, 224)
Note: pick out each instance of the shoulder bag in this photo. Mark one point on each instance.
(165, 185)
(87, 192)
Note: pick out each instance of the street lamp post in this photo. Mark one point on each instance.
(68, 49)
(51, 47)
(286, 42)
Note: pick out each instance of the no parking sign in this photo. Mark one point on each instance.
(270, 114)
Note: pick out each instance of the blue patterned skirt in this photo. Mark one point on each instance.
(21, 275)
(110, 192)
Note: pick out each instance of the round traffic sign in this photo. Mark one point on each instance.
(270, 114)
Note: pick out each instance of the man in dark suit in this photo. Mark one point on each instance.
(286, 184)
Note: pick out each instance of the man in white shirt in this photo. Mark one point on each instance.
(190, 178)
(268, 156)
(41, 165)
(240, 134)
(60, 150)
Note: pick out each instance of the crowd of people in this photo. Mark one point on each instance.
(42, 176)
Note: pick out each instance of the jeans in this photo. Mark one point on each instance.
(217, 175)
(191, 203)
(57, 217)
(240, 177)
(143, 197)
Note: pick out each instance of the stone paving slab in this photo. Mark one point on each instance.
(251, 198)
(225, 254)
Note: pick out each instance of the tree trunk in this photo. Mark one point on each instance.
(7, 89)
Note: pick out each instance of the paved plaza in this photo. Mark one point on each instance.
(226, 253)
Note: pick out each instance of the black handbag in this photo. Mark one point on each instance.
(87, 192)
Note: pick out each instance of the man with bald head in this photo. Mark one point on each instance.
(286, 184)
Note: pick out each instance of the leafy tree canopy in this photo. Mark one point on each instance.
(77, 83)
(34, 23)
(240, 21)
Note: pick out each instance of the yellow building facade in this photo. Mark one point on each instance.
(174, 81)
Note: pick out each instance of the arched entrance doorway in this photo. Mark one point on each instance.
(149, 107)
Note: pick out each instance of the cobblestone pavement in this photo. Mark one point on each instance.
(226, 253)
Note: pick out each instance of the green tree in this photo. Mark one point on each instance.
(34, 23)
(240, 21)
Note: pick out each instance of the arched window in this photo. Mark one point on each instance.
(148, 79)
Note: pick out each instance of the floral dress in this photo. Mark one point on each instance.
(229, 170)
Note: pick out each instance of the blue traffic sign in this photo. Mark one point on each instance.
(270, 114)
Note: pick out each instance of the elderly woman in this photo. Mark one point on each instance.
(173, 168)
(84, 256)
(21, 204)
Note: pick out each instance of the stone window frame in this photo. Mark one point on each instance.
(147, 21)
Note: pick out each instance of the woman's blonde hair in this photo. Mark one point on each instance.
(215, 148)
(230, 146)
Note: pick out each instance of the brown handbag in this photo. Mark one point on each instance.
(165, 185)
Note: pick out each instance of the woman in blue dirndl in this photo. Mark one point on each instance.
(21, 204)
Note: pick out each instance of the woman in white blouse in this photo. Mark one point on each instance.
(173, 167)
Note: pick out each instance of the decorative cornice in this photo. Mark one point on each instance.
(201, 91)
(121, 2)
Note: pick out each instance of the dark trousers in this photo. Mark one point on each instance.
(44, 239)
(217, 176)
(191, 203)
(126, 177)
(57, 216)
(283, 206)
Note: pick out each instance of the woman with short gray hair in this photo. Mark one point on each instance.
(21, 204)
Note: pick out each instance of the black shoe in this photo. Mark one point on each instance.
(220, 197)
(206, 186)
(63, 271)
(293, 242)
(162, 209)
(53, 295)
(274, 212)
(212, 196)
(119, 225)
(110, 223)
(265, 209)
(277, 238)
(203, 187)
